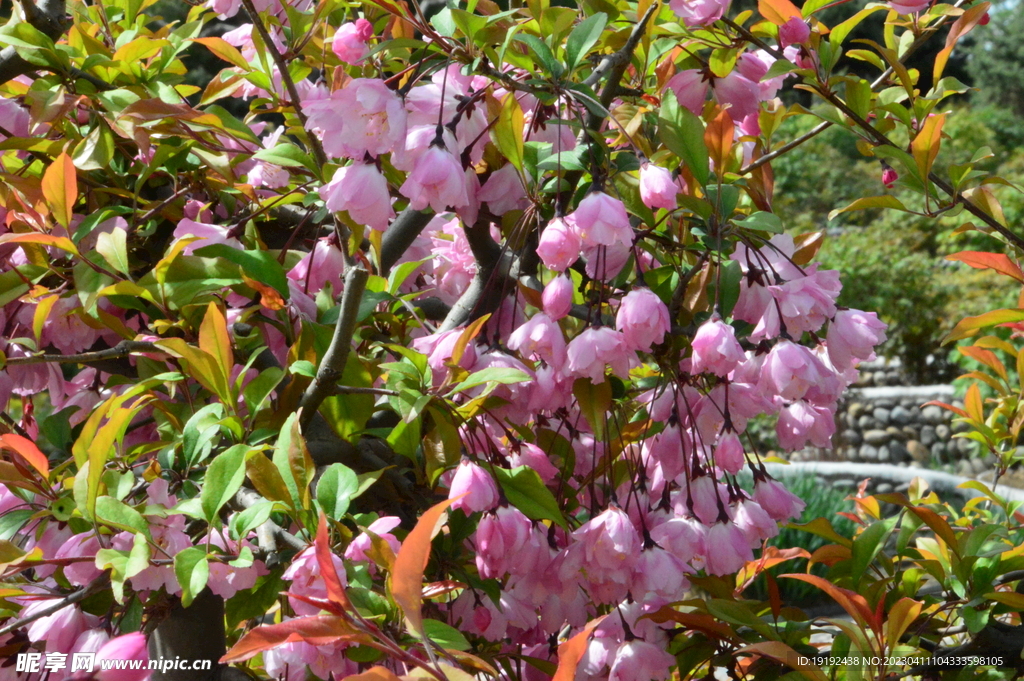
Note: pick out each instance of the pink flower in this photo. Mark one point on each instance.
(439, 348)
(794, 31)
(728, 549)
(127, 647)
(500, 538)
(777, 501)
(437, 180)
(699, 12)
(607, 551)
(559, 245)
(909, 6)
(691, 89)
(754, 522)
(207, 233)
(478, 615)
(638, 660)
(658, 189)
(742, 95)
(729, 454)
(557, 297)
(801, 421)
(533, 456)
(350, 40)
(361, 190)
(539, 338)
(504, 191)
(324, 264)
(481, 494)
(601, 220)
(595, 348)
(58, 630)
(853, 334)
(382, 528)
(889, 177)
(683, 537)
(790, 370)
(364, 117)
(661, 573)
(642, 318)
(715, 349)
(706, 498)
(304, 574)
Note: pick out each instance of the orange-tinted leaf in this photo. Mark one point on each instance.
(60, 188)
(570, 652)
(407, 579)
(27, 451)
(830, 554)
(319, 630)
(224, 50)
(807, 246)
(926, 145)
(468, 334)
(770, 557)
(989, 261)
(961, 27)
(901, 616)
(782, 653)
(335, 589)
(972, 403)
(968, 326)
(215, 340)
(373, 674)
(718, 137)
(850, 601)
(61, 242)
(270, 298)
(950, 407)
(777, 11)
(938, 525)
(986, 357)
(695, 621)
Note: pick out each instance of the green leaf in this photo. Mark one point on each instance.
(683, 133)
(594, 400)
(762, 222)
(508, 131)
(444, 635)
(884, 201)
(583, 37)
(490, 375)
(254, 602)
(731, 276)
(258, 265)
(971, 325)
(251, 518)
(138, 557)
(192, 568)
(543, 54)
(113, 247)
(118, 514)
(291, 457)
(526, 491)
(223, 478)
(336, 488)
(96, 149)
(287, 156)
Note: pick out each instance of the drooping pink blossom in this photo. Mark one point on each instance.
(557, 297)
(889, 177)
(794, 31)
(595, 348)
(350, 40)
(437, 180)
(790, 370)
(304, 574)
(777, 501)
(475, 486)
(699, 12)
(601, 220)
(728, 549)
(658, 188)
(357, 550)
(754, 522)
(500, 538)
(643, 319)
(801, 422)
(715, 348)
(909, 6)
(128, 647)
(853, 335)
(639, 660)
(729, 455)
(559, 245)
(361, 190)
(504, 191)
(690, 88)
(540, 337)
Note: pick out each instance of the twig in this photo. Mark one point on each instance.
(122, 349)
(354, 390)
(333, 364)
(94, 586)
(400, 235)
(247, 498)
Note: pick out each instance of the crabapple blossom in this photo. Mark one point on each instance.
(560, 244)
(776, 500)
(601, 220)
(715, 348)
(794, 31)
(306, 582)
(853, 335)
(595, 348)
(364, 117)
(540, 338)
(361, 190)
(699, 12)
(128, 647)
(801, 422)
(472, 488)
(437, 180)
(382, 528)
(349, 43)
(658, 188)
(642, 318)
(728, 548)
(729, 455)
(557, 297)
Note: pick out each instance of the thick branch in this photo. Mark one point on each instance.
(122, 349)
(400, 235)
(247, 498)
(333, 364)
(486, 291)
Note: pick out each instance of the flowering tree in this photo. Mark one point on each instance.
(438, 360)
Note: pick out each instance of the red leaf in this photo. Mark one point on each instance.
(319, 630)
(335, 589)
(570, 652)
(989, 261)
(27, 450)
(851, 602)
(407, 578)
(777, 11)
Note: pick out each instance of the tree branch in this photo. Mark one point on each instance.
(122, 349)
(92, 587)
(333, 364)
(400, 235)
